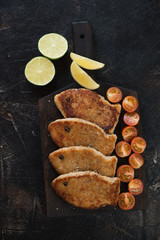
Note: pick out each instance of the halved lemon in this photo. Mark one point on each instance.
(86, 63)
(82, 77)
(40, 71)
(53, 45)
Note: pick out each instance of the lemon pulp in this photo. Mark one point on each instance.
(85, 62)
(81, 77)
(53, 45)
(40, 71)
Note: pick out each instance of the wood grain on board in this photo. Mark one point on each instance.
(48, 113)
(82, 41)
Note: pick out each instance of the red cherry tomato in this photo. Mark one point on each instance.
(125, 173)
(135, 186)
(114, 94)
(128, 133)
(131, 119)
(123, 149)
(130, 104)
(138, 145)
(136, 160)
(126, 201)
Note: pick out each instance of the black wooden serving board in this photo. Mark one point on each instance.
(48, 112)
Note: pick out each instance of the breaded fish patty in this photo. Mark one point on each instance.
(80, 158)
(87, 189)
(90, 106)
(78, 132)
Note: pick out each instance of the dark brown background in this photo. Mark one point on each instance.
(126, 36)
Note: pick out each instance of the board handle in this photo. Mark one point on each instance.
(82, 38)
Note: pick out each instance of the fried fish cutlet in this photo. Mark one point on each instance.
(81, 158)
(77, 132)
(90, 106)
(87, 189)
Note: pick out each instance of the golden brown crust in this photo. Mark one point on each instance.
(88, 105)
(87, 189)
(78, 132)
(80, 158)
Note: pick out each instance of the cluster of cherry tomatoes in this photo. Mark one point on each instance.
(124, 148)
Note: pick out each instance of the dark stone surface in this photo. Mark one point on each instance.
(126, 36)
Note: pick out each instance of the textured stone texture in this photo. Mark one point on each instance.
(126, 36)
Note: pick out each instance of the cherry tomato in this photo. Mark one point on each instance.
(114, 94)
(128, 133)
(136, 160)
(131, 119)
(138, 145)
(126, 201)
(135, 186)
(123, 149)
(125, 173)
(130, 104)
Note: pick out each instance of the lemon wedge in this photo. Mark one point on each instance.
(82, 78)
(40, 71)
(86, 63)
(53, 45)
